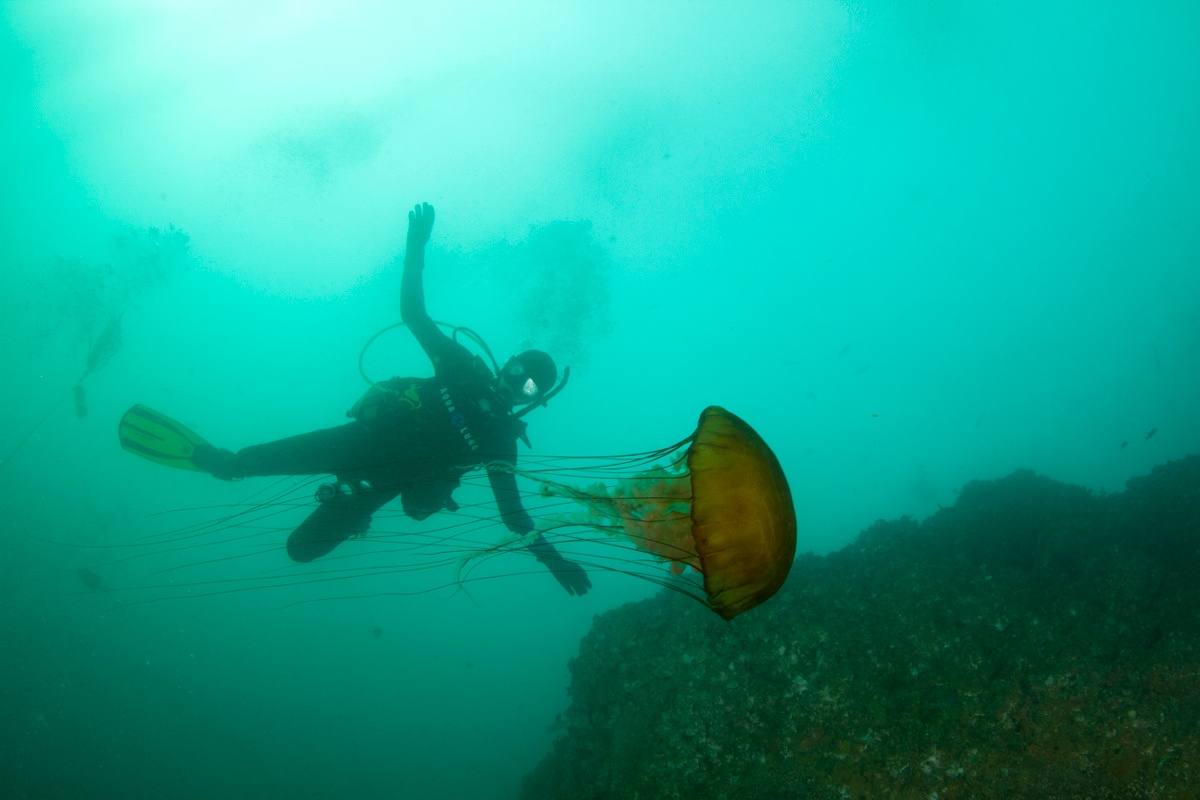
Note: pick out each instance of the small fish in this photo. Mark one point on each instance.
(1153, 431)
(1124, 444)
(91, 580)
(80, 401)
(104, 347)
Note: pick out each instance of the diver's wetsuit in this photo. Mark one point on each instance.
(415, 438)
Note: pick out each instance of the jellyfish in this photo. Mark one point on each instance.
(720, 506)
(710, 516)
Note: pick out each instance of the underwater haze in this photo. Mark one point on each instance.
(912, 244)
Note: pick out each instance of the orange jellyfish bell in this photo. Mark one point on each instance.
(743, 521)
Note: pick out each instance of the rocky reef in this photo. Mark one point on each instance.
(1033, 640)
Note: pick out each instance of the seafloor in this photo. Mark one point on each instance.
(1035, 640)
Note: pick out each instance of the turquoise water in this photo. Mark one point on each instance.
(912, 248)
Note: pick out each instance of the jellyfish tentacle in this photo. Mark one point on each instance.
(508, 542)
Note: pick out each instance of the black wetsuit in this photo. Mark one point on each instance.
(414, 438)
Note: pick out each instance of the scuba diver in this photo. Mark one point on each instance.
(410, 437)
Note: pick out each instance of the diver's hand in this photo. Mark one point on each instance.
(420, 226)
(570, 575)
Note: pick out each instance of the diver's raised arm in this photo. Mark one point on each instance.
(412, 284)
(412, 288)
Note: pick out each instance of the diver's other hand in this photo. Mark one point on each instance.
(420, 225)
(568, 573)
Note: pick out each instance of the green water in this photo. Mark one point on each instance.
(911, 247)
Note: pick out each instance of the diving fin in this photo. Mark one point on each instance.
(158, 438)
